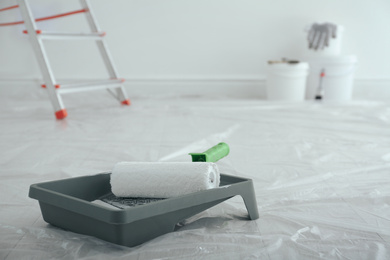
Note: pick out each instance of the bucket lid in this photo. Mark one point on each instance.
(332, 59)
(289, 66)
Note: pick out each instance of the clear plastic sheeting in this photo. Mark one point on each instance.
(321, 173)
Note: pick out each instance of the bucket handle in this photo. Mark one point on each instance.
(291, 76)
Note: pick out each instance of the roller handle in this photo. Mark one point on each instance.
(213, 154)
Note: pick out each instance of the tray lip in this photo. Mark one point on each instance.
(125, 216)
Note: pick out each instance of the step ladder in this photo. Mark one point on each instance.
(114, 84)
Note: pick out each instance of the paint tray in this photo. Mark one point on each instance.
(68, 204)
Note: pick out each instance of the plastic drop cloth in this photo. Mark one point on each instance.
(321, 173)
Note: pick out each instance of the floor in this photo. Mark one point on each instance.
(320, 171)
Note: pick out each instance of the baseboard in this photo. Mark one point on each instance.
(235, 87)
(371, 88)
(211, 87)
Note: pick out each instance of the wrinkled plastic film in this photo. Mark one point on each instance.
(320, 172)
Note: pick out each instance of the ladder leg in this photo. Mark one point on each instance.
(40, 53)
(108, 61)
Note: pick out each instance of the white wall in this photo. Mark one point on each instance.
(221, 40)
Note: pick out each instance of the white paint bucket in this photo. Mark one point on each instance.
(337, 84)
(287, 81)
(333, 49)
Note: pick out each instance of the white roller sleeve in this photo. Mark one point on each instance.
(162, 179)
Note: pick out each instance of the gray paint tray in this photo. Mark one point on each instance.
(68, 204)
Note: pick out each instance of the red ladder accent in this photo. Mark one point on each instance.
(9, 8)
(42, 18)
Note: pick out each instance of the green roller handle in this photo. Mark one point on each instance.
(213, 154)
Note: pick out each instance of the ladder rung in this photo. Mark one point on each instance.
(87, 86)
(68, 35)
(42, 18)
(9, 8)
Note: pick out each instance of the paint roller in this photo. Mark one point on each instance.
(168, 179)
